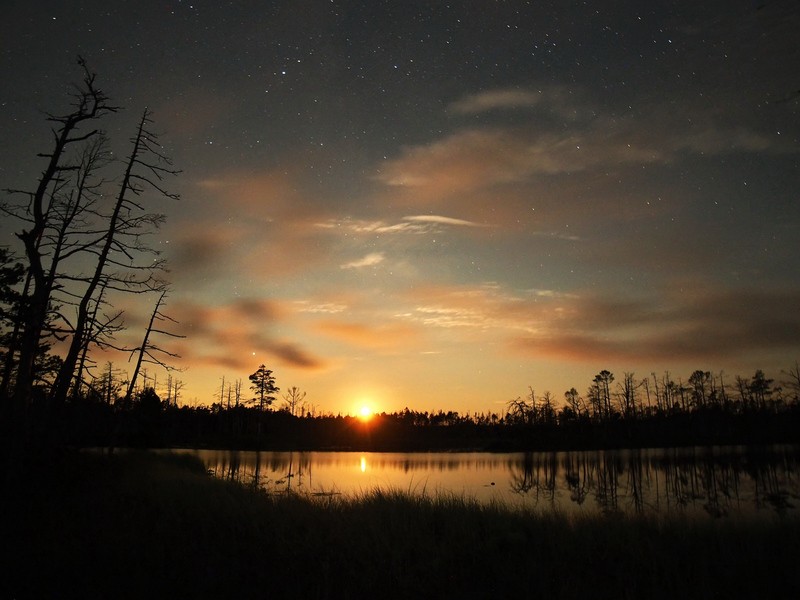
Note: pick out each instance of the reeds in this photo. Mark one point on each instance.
(140, 525)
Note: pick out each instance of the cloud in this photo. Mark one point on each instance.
(701, 325)
(557, 100)
(485, 307)
(197, 250)
(384, 335)
(414, 224)
(259, 223)
(600, 164)
(370, 260)
(496, 99)
(675, 324)
(478, 158)
(320, 307)
(442, 220)
(293, 355)
(236, 334)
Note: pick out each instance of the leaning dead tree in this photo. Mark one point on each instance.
(100, 335)
(89, 104)
(148, 352)
(77, 249)
(123, 242)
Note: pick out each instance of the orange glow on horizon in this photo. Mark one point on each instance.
(365, 413)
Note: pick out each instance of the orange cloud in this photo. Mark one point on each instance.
(245, 222)
(671, 324)
(383, 335)
(236, 334)
(593, 167)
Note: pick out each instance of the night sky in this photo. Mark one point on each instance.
(438, 204)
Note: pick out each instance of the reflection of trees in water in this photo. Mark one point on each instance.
(295, 468)
(257, 469)
(715, 481)
(607, 471)
(768, 477)
(721, 484)
(701, 477)
(638, 481)
(577, 476)
(535, 477)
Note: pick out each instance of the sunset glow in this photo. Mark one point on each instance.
(441, 206)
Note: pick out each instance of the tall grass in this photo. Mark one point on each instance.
(145, 526)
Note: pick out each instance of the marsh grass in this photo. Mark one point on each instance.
(146, 526)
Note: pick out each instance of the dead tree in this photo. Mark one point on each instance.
(149, 352)
(294, 399)
(122, 243)
(90, 104)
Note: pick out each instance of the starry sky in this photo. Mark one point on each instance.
(437, 204)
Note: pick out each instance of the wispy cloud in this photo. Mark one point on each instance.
(440, 220)
(370, 260)
(504, 169)
(330, 308)
(670, 325)
(235, 334)
(496, 99)
(385, 335)
(555, 99)
(414, 224)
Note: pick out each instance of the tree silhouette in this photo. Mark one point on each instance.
(76, 250)
(148, 351)
(263, 385)
(126, 225)
(89, 104)
(294, 399)
(11, 274)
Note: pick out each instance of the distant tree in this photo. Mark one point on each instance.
(547, 410)
(574, 402)
(237, 392)
(293, 399)
(263, 386)
(148, 400)
(522, 410)
(599, 395)
(793, 382)
(11, 275)
(700, 381)
(627, 395)
(761, 389)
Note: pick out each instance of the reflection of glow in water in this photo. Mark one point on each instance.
(732, 481)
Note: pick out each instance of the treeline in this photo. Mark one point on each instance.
(631, 412)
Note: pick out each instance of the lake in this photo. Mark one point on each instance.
(722, 482)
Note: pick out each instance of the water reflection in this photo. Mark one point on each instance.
(717, 482)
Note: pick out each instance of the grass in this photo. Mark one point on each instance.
(147, 526)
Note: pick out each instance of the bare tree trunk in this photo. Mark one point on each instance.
(91, 105)
(143, 348)
(117, 222)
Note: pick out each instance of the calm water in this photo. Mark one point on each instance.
(733, 482)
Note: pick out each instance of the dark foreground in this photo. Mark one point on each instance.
(144, 526)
